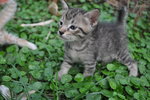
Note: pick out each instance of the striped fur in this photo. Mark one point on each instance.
(7, 13)
(5, 38)
(90, 41)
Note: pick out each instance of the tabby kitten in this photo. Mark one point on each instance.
(87, 40)
(5, 38)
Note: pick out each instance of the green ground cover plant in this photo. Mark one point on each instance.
(23, 70)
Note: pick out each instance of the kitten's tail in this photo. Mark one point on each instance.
(7, 13)
(122, 15)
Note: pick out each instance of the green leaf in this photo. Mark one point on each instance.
(89, 84)
(112, 83)
(143, 93)
(142, 69)
(79, 77)
(93, 96)
(82, 0)
(22, 73)
(97, 77)
(111, 99)
(136, 96)
(121, 96)
(36, 74)
(6, 78)
(107, 93)
(66, 78)
(144, 81)
(114, 94)
(135, 81)
(2, 60)
(77, 85)
(32, 67)
(25, 50)
(148, 76)
(53, 86)
(48, 72)
(24, 35)
(71, 93)
(2, 53)
(66, 86)
(129, 90)
(95, 89)
(108, 73)
(104, 83)
(17, 88)
(24, 80)
(12, 48)
(83, 90)
(111, 67)
(123, 80)
(37, 85)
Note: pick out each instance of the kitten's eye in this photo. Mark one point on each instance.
(72, 27)
(61, 23)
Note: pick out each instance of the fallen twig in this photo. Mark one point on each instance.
(48, 35)
(38, 24)
(24, 97)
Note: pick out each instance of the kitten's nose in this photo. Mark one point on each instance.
(61, 33)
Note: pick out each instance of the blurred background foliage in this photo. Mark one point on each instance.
(23, 70)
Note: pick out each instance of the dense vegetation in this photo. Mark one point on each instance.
(23, 70)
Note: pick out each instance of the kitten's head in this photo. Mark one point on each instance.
(75, 24)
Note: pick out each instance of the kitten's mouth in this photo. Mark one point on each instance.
(63, 38)
(66, 38)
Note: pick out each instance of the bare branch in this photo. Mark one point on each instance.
(38, 24)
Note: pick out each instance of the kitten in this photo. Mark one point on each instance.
(5, 38)
(87, 40)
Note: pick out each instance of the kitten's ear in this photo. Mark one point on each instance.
(93, 16)
(64, 4)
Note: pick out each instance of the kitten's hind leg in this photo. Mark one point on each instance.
(11, 39)
(132, 66)
(125, 59)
